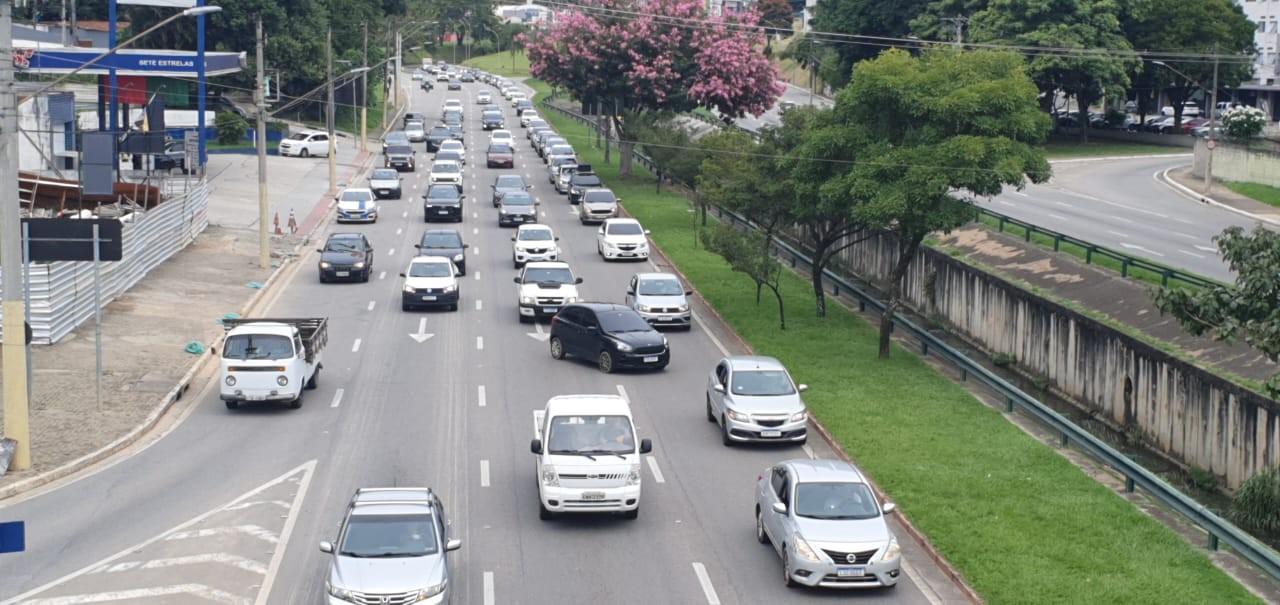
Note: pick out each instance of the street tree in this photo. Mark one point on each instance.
(863, 18)
(1249, 309)
(748, 253)
(669, 145)
(930, 134)
(776, 16)
(739, 174)
(663, 55)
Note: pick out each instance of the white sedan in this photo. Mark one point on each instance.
(444, 171)
(622, 238)
(502, 136)
(357, 204)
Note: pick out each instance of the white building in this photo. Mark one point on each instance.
(527, 14)
(1263, 91)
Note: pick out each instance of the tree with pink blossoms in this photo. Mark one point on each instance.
(659, 55)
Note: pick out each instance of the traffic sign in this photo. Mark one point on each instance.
(13, 536)
(1211, 144)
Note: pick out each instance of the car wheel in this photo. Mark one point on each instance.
(557, 347)
(297, 402)
(404, 306)
(311, 384)
(231, 405)
(724, 432)
(632, 514)
(304, 153)
(323, 280)
(515, 263)
(786, 569)
(711, 417)
(365, 278)
(543, 513)
(605, 362)
(524, 319)
(453, 307)
(761, 537)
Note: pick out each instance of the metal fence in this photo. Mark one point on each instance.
(61, 293)
(1218, 529)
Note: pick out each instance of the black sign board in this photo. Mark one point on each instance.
(54, 239)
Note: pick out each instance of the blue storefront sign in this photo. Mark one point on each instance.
(135, 62)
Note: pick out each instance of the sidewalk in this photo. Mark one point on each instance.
(146, 331)
(1181, 180)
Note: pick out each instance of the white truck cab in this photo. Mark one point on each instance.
(270, 360)
(588, 457)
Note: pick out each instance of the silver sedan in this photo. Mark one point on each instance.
(754, 399)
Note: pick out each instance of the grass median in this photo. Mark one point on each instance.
(1020, 522)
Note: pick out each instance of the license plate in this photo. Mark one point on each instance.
(428, 298)
(549, 309)
(851, 572)
(651, 359)
(342, 273)
(384, 191)
(667, 318)
(442, 212)
(593, 495)
(770, 433)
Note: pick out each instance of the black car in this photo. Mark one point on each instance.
(492, 120)
(516, 208)
(467, 77)
(395, 137)
(455, 85)
(401, 157)
(446, 243)
(442, 202)
(426, 85)
(410, 116)
(437, 135)
(581, 182)
(505, 183)
(613, 336)
(346, 256)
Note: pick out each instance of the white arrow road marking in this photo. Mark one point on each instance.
(249, 530)
(653, 468)
(215, 557)
(337, 398)
(422, 334)
(195, 590)
(539, 336)
(481, 395)
(1141, 249)
(707, 589)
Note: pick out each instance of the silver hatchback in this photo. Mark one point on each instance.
(754, 399)
(660, 299)
(822, 518)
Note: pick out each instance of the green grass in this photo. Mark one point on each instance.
(502, 64)
(1021, 523)
(1073, 148)
(1263, 193)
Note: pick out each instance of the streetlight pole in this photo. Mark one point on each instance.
(364, 94)
(260, 99)
(1213, 107)
(333, 145)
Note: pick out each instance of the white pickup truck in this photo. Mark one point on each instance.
(271, 360)
(588, 456)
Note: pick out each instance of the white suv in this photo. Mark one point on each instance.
(534, 243)
(306, 143)
(543, 287)
(445, 171)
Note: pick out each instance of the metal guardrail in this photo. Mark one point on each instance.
(1127, 261)
(1218, 529)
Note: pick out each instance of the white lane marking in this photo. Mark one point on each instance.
(1193, 254)
(337, 398)
(249, 530)
(1118, 234)
(1064, 204)
(405, 214)
(1184, 221)
(715, 341)
(382, 275)
(929, 593)
(1140, 249)
(475, 215)
(399, 230)
(477, 276)
(705, 581)
(372, 304)
(484, 473)
(481, 396)
(391, 251)
(1019, 194)
(1186, 235)
(475, 231)
(653, 468)
(623, 392)
(1006, 203)
(488, 588)
(1122, 219)
(195, 590)
(1207, 248)
(355, 347)
(229, 559)
(808, 451)
(1057, 216)
(475, 251)
(479, 343)
(479, 304)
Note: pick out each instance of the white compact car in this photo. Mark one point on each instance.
(484, 98)
(444, 171)
(357, 205)
(502, 136)
(526, 115)
(453, 145)
(430, 281)
(534, 242)
(451, 104)
(516, 97)
(306, 143)
(415, 132)
(622, 238)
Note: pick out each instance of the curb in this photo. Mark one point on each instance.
(1113, 158)
(1188, 192)
(950, 571)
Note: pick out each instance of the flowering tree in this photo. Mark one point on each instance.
(1243, 123)
(659, 55)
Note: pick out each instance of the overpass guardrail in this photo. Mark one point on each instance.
(1219, 530)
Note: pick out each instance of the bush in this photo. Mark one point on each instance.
(231, 128)
(1256, 505)
(1243, 122)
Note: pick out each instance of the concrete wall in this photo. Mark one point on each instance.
(1184, 411)
(1255, 163)
(1149, 138)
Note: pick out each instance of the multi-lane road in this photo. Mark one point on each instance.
(230, 506)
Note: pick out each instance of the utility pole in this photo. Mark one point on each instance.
(395, 78)
(333, 145)
(14, 350)
(959, 22)
(75, 29)
(364, 94)
(1213, 130)
(260, 100)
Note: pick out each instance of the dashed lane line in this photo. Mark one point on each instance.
(481, 396)
(707, 589)
(484, 473)
(355, 347)
(337, 398)
(372, 304)
(488, 588)
(653, 468)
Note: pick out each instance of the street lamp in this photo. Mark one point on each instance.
(13, 373)
(1213, 107)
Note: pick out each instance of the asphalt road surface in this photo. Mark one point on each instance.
(230, 506)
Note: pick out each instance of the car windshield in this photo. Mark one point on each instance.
(301, 136)
(445, 167)
(439, 131)
(590, 435)
(517, 198)
(389, 536)
(835, 501)
(660, 287)
(341, 245)
(384, 174)
(399, 150)
(356, 195)
(398, 137)
(500, 149)
(761, 383)
(535, 235)
(448, 154)
(492, 115)
(510, 181)
(600, 196)
(623, 320)
(561, 150)
(554, 275)
(257, 346)
(441, 240)
(447, 192)
(586, 180)
(625, 229)
(430, 270)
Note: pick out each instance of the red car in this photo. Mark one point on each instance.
(1190, 125)
(500, 155)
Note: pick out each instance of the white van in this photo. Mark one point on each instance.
(588, 456)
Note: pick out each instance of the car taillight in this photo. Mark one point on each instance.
(554, 318)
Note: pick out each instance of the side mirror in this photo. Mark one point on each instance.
(418, 246)
(516, 279)
(557, 238)
(213, 350)
(578, 280)
(717, 387)
(535, 446)
(646, 446)
(466, 245)
(688, 292)
(462, 197)
(802, 388)
(320, 251)
(619, 201)
(780, 508)
(631, 292)
(326, 546)
(888, 507)
(457, 273)
(401, 275)
(453, 544)
(593, 328)
(646, 232)
(513, 238)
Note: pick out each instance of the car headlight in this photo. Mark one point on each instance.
(282, 380)
(892, 552)
(622, 346)
(231, 381)
(431, 591)
(683, 308)
(339, 592)
(644, 308)
(457, 258)
(359, 265)
(526, 300)
(408, 289)
(549, 476)
(633, 478)
(739, 416)
(803, 550)
(799, 416)
(324, 265)
(570, 299)
(450, 289)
